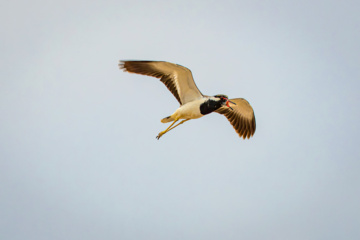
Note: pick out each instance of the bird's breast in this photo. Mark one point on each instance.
(190, 110)
(196, 109)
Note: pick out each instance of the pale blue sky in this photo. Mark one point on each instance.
(78, 154)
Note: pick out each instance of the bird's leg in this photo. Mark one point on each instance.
(165, 131)
(171, 128)
(179, 124)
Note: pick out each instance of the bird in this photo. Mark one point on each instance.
(193, 104)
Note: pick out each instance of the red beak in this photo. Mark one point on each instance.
(227, 104)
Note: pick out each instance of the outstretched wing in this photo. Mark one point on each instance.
(177, 79)
(242, 117)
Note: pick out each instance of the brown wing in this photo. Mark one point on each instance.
(242, 117)
(177, 79)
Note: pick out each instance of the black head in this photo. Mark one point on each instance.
(223, 98)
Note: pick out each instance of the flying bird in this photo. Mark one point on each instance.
(193, 104)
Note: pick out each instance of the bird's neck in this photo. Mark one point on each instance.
(209, 106)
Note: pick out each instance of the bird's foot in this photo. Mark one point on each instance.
(159, 135)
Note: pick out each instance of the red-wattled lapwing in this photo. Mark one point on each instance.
(193, 104)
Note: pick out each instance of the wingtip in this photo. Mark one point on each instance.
(121, 65)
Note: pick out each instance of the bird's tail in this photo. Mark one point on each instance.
(167, 119)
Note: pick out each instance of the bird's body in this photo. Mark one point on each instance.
(194, 109)
(190, 110)
(193, 104)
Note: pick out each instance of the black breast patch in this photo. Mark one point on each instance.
(209, 106)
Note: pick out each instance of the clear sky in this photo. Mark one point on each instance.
(78, 154)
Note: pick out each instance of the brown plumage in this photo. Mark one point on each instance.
(242, 117)
(177, 79)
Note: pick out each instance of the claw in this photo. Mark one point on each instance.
(159, 135)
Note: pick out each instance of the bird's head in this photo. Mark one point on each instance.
(224, 100)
